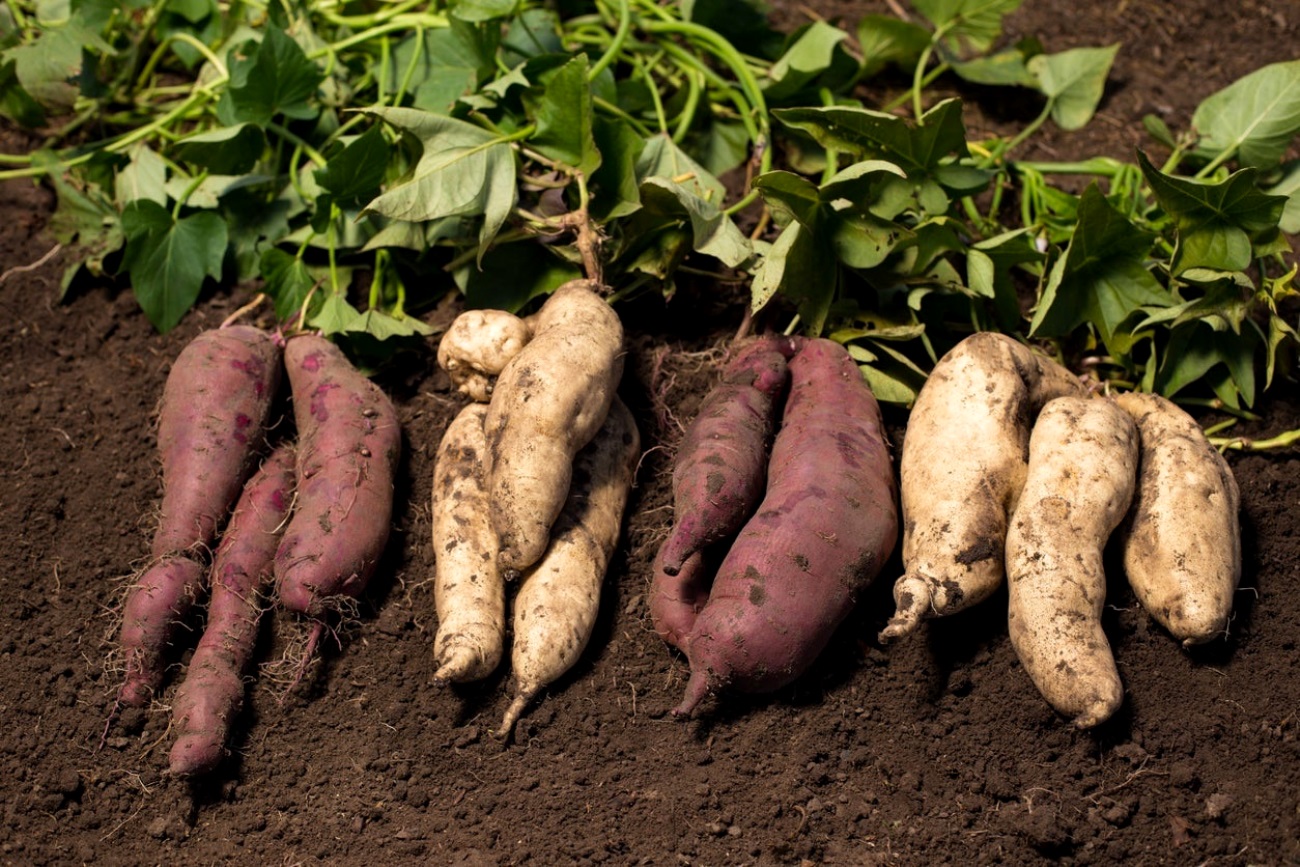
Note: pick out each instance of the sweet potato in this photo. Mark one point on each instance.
(962, 468)
(549, 402)
(477, 346)
(721, 464)
(676, 600)
(213, 690)
(556, 606)
(349, 443)
(826, 525)
(1182, 539)
(1083, 457)
(210, 427)
(468, 590)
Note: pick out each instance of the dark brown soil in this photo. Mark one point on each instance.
(937, 750)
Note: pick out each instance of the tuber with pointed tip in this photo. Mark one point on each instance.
(1182, 539)
(212, 693)
(556, 606)
(962, 467)
(548, 403)
(721, 465)
(211, 425)
(1083, 456)
(826, 525)
(349, 443)
(468, 589)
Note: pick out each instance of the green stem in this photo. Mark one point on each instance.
(410, 67)
(1213, 165)
(331, 242)
(353, 22)
(918, 74)
(405, 22)
(616, 45)
(687, 116)
(1001, 152)
(297, 141)
(611, 108)
(184, 197)
(832, 155)
(1281, 441)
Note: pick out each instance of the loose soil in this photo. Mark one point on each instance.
(937, 750)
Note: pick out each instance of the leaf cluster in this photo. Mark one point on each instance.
(355, 161)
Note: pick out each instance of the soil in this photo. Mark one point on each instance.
(936, 750)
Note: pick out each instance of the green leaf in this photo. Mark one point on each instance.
(1197, 352)
(661, 158)
(989, 265)
(144, 177)
(384, 326)
(967, 26)
(86, 221)
(713, 232)
(1158, 130)
(1102, 279)
(614, 189)
(453, 61)
(563, 115)
(1215, 221)
(1006, 68)
(800, 267)
(168, 259)
(532, 33)
(1256, 116)
(811, 55)
(1073, 81)
(886, 40)
(791, 197)
(16, 103)
(861, 240)
(278, 78)
(229, 150)
(354, 173)
(464, 171)
(482, 10)
(1289, 186)
(918, 150)
(50, 68)
(512, 276)
(285, 278)
(335, 316)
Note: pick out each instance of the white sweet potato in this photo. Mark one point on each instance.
(1182, 539)
(477, 347)
(468, 590)
(556, 606)
(549, 402)
(962, 467)
(1082, 471)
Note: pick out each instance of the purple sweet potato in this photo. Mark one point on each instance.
(349, 442)
(676, 600)
(211, 423)
(722, 460)
(156, 603)
(826, 525)
(213, 690)
(213, 417)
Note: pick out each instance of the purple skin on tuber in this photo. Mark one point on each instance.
(213, 690)
(676, 600)
(824, 529)
(721, 463)
(211, 424)
(349, 442)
